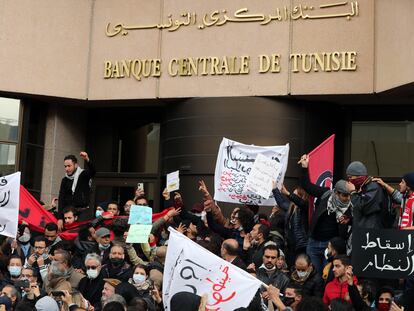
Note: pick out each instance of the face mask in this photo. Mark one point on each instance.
(268, 269)
(328, 255)
(240, 228)
(138, 278)
(302, 274)
(15, 271)
(116, 262)
(45, 255)
(92, 273)
(98, 213)
(203, 215)
(287, 301)
(104, 247)
(383, 306)
(358, 181)
(25, 238)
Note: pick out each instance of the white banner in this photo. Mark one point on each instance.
(9, 204)
(191, 268)
(234, 164)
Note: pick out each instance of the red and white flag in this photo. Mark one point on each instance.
(191, 268)
(321, 160)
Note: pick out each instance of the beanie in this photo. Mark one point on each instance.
(409, 180)
(356, 168)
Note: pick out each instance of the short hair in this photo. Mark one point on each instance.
(143, 267)
(113, 306)
(16, 257)
(345, 260)
(66, 256)
(51, 226)
(93, 256)
(69, 209)
(40, 238)
(264, 230)
(118, 299)
(382, 290)
(115, 203)
(231, 250)
(14, 291)
(34, 271)
(71, 157)
(271, 247)
(311, 304)
(304, 257)
(339, 304)
(297, 288)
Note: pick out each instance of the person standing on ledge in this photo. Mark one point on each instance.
(75, 187)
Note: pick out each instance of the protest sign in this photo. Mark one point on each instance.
(262, 175)
(320, 168)
(385, 253)
(9, 204)
(140, 214)
(173, 181)
(234, 164)
(191, 268)
(138, 233)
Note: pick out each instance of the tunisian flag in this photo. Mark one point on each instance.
(320, 168)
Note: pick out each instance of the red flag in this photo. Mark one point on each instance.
(37, 217)
(321, 168)
(32, 212)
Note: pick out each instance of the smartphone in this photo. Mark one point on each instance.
(140, 186)
(22, 284)
(57, 293)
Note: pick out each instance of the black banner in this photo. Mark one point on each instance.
(386, 253)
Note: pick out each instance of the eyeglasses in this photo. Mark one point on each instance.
(91, 267)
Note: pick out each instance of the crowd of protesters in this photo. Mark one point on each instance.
(303, 257)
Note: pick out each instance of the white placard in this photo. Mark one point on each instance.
(235, 162)
(9, 204)
(191, 268)
(262, 175)
(173, 181)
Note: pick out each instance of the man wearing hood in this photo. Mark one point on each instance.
(330, 217)
(75, 186)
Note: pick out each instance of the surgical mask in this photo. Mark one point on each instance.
(203, 215)
(25, 238)
(104, 247)
(287, 301)
(267, 269)
(92, 273)
(138, 278)
(240, 228)
(15, 270)
(302, 274)
(383, 306)
(98, 213)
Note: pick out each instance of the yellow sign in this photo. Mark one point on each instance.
(230, 65)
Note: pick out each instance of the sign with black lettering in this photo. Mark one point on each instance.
(386, 253)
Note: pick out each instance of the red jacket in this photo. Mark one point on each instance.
(336, 289)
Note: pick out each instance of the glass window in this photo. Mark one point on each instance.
(386, 148)
(7, 159)
(9, 119)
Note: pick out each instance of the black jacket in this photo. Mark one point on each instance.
(80, 198)
(277, 278)
(313, 286)
(368, 205)
(92, 289)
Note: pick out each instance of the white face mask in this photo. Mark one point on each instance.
(98, 213)
(24, 238)
(138, 278)
(92, 273)
(302, 274)
(326, 253)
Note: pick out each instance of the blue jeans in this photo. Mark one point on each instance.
(316, 252)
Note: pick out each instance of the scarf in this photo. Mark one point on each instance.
(74, 177)
(337, 206)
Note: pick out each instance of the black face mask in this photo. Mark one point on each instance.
(287, 301)
(116, 262)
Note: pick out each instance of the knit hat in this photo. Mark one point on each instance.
(356, 168)
(339, 245)
(6, 301)
(341, 186)
(46, 304)
(184, 301)
(409, 180)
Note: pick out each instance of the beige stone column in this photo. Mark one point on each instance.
(65, 134)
